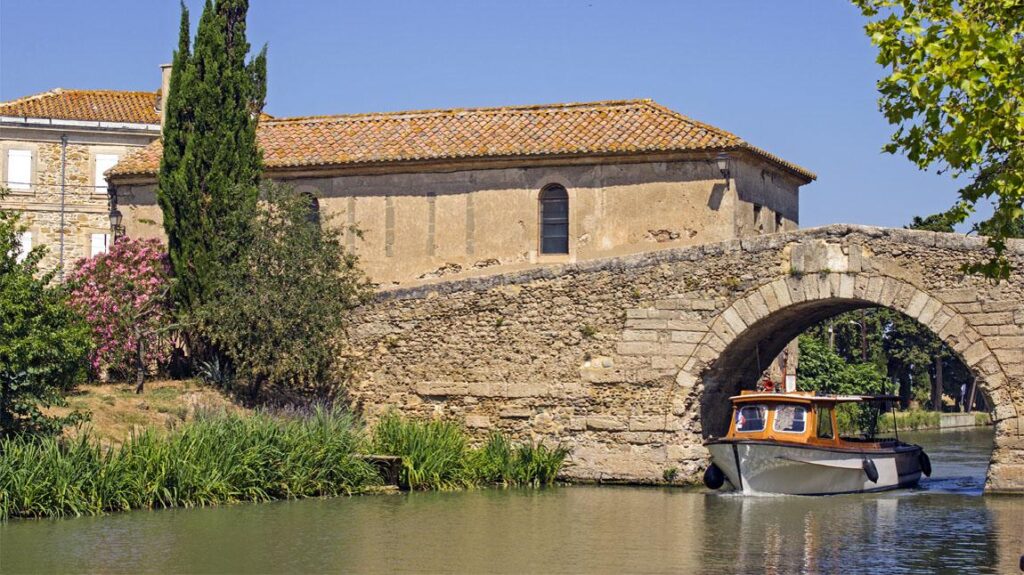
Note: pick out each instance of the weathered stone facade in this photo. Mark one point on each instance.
(629, 361)
(85, 202)
(459, 221)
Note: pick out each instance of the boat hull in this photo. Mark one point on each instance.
(761, 467)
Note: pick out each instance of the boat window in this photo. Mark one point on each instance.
(790, 419)
(751, 418)
(825, 423)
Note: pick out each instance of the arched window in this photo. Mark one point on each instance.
(554, 220)
(314, 209)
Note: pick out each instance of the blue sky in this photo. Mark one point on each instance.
(796, 77)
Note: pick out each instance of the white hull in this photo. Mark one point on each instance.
(771, 467)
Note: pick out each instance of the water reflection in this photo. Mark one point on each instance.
(942, 527)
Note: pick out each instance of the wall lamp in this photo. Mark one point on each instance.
(722, 160)
(116, 229)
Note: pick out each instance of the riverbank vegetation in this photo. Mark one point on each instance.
(220, 458)
(437, 455)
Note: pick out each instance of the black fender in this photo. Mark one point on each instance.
(870, 470)
(713, 477)
(926, 463)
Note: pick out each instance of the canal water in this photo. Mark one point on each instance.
(945, 526)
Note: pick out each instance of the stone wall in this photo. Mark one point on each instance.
(460, 222)
(629, 361)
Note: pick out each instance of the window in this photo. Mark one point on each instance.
(554, 220)
(790, 419)
(778, 222)
(19, 169)
(313, 216)
(825, 423)
(99, 244)
(758, 208)
(103, 163)
(25, 241)
(751, 418)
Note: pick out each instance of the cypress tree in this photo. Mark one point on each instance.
(210, 170)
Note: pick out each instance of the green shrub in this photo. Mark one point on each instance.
(278, 315)
(43, 343)
(215, 459)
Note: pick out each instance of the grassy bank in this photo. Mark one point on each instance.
(116, 411)
(222, 457)
(909, 420)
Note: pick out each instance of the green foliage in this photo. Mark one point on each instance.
(955, 91)
(902, 348)
(436, 455)
(43, 343)
(279, 313)
(670, 474)
(821, 369)
(941, 222)
(211, 165)
(216, 459)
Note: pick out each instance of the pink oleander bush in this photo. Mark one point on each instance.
(123, 296)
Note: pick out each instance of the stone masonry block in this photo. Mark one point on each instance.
(746, 314)
(771, 300)
(874, 291)
(442, 388)
(917, 304)
(605, 423)
(646, 323)
(639, 335)
(478, 421)
(929, 311)
(733, 319)
(781, 290)
(975, 353)
(846, 282)
(757, 305)
(688, 336)
(636, 348)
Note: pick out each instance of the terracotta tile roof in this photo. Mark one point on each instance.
(87, 105)
(559, 130)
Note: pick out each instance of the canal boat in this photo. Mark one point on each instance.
(788, 443)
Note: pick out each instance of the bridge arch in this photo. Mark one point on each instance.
(757, 326)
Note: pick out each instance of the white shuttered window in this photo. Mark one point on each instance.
(103, 163)
(19, 169)
(99, 244)
(25, 239)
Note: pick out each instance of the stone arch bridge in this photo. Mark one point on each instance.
(629, 361)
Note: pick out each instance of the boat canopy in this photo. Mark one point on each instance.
(808, 397)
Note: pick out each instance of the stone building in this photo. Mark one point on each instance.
(54, 150)
(450, 192)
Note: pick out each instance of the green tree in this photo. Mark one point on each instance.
(211, 165)
(279, 316)
(955, 91)
(43, 343)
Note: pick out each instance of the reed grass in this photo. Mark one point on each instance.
(437, 455)
(213, 460)
(223, 458)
